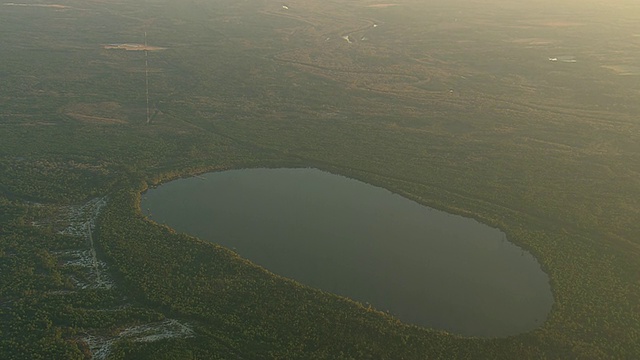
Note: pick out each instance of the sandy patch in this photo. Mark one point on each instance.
(380, 6)
(95, 119)
(97, 113)
(533, 41)
(81, 222)
(54, 6)
(100, 347)
(561, 24)
(133, 47)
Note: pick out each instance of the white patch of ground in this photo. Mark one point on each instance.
(100, 346)
(54, 6)
(564, 59)
(81, 222)
(380, 6)
(167, 329)
(60, 292)
(133, 47)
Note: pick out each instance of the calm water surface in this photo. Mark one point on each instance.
(424, 266)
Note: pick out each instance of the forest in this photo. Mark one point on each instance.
(456, 105)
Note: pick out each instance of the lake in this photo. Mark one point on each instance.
(425, 266)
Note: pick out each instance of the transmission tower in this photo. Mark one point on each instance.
(146, 75)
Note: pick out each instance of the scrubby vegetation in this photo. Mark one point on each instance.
(460, 110)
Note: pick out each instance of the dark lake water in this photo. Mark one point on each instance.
(424, 266)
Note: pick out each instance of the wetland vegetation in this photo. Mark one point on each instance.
(452, 104)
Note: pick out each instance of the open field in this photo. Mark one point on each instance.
(454, 104)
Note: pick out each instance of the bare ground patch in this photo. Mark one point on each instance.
(133, 47)
(533, 41)
(98, 113)
(95, 119)
(100, 346)
(53, 6)
(380, 6)
(561, 24)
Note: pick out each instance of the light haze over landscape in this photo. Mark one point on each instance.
(255, 179)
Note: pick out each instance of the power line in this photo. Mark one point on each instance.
(146, 75)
